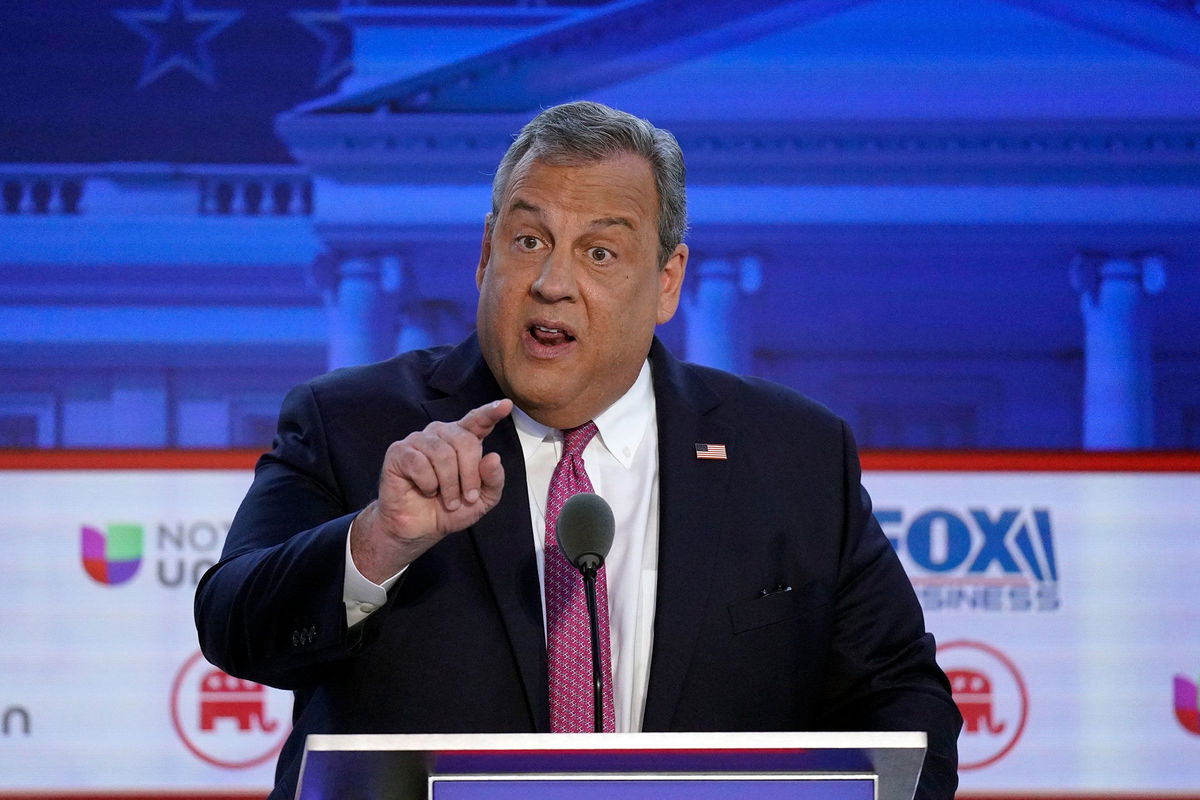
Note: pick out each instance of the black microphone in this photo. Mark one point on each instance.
(585, 530)
(585, 534)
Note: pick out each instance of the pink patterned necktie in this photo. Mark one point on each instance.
(568, 643)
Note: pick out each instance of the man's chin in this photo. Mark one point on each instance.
(551, 406)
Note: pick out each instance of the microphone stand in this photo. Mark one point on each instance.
(585, 530)
(589, 589)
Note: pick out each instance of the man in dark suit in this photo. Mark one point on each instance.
(388, 562)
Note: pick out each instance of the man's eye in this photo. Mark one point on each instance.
(528, 242)
(600, 255)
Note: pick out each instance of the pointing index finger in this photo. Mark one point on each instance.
(480, 421)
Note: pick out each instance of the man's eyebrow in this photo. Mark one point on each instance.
(600, 222)
(604, 222)
(522, 205)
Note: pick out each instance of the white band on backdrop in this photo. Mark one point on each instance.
(1063, 603)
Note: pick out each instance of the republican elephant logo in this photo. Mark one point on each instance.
(225, 721)
(223, 696)
(973, 695)
(991, 696)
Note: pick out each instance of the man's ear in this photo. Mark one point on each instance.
(670, 283)
(485, 249)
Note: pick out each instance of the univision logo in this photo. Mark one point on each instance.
(183, 550)
(1187, 710)
(112, 555)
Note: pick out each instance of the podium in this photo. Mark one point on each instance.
(616, 766)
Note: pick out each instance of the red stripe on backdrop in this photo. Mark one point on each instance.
(877, 460)
(126, 459)
(1030, 461)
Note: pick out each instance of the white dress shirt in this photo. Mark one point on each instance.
(622, 464)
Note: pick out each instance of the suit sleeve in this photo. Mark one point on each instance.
(271, 609)
(883, 675)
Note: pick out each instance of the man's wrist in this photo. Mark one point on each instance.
(377, 555)
(360, 595)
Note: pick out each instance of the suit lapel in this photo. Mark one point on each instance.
(692, 508)
(504, 536)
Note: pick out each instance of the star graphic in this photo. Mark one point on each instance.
(330, 30)
(179, 35)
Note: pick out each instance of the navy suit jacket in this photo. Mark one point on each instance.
(459, 646)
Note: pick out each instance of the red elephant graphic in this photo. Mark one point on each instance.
(223, 696)
(973, 695)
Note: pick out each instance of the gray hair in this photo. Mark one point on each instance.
(583, 132)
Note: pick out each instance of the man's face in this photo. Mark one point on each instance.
(569, 285)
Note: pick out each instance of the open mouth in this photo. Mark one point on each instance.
(548, 336)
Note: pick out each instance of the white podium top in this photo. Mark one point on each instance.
(395, 766)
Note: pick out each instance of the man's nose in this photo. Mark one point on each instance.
(556, 279)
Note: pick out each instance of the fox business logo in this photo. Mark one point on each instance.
(977, 559)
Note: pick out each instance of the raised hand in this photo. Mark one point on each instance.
(434, 482)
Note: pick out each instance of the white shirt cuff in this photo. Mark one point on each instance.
(361, 595)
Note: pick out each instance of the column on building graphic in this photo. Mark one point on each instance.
(418, 327)
(712, 299)
(377, 308)
(430, 321)
(361, 292)
(1118, 396)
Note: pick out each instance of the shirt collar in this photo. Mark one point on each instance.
(621, 426)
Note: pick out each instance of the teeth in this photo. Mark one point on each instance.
(548, 330)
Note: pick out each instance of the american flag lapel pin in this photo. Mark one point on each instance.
(713, 452)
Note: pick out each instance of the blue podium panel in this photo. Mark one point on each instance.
(696, 787)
